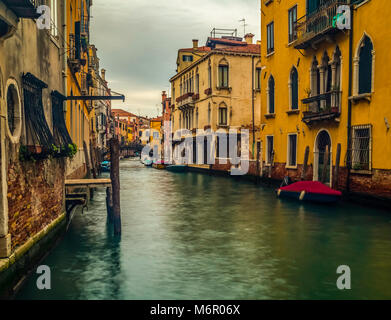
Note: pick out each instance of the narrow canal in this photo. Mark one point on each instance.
(195, 236)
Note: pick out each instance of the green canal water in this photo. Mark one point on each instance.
(195, 236)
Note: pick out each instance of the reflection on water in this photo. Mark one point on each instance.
(195, 236)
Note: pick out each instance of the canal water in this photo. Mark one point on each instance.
(195, 236)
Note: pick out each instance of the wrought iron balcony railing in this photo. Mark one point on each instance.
(326, 106)
(314, 26)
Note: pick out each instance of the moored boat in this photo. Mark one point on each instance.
(177, 168)
(105, 166)
(147, 162)
(313, 191)
(159, 165)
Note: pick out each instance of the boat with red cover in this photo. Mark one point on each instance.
(314, 191)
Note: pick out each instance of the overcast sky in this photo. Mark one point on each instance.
(138, 40)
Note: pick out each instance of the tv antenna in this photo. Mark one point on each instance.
(244, 26)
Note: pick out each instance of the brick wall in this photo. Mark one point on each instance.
(376, 184)
(35, 197)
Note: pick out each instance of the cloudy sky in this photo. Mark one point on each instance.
(137, 41)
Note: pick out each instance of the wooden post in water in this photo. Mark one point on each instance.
(87, 158)
(258, 165)
(305, 164)
(271, 164)
(326, 161)
(109, 204)
(337, 161)
(93, 161)
(115, 183)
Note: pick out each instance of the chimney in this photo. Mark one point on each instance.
(249, 38)
(103, 74)
(195, 43)
(164, 96)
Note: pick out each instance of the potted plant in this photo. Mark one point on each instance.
(34, 149)
(308, 92)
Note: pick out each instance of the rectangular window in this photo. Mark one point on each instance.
(292, 18)
(270, 37)
(53, 16)
(269, 149)
(258, 73)
(223, 76)
(361, 147)
(197, 84)
(223, 116)
(187, 58)
(209, 77)
(292, 150)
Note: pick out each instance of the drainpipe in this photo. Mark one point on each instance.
(65, 55)
(349, 127)
(252, 100)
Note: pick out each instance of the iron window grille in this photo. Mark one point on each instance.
(37, 129)
(359, 155)
(60, 131)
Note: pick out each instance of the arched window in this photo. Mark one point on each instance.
(271, 96)
(223, 73)
(197, 83)
(315, 78)
(365, 66)
(223, 121)
(209, 76)
(209, 114)
(294, 88)
(14, 111)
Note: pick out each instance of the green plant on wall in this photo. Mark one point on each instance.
(65, 151)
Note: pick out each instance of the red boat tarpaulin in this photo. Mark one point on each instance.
(311, 187)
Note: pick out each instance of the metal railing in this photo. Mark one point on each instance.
(318, 22)
(329, 102)
(72, 47)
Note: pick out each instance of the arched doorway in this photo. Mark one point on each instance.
(322, 172)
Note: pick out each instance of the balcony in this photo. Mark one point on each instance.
(323, 107)
(185, 101)
(319, 25)
(24, 8)
(74, 60)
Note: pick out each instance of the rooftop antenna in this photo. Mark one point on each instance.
(244, 26)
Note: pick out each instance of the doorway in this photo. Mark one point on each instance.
(322, 172)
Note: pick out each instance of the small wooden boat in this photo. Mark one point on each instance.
(147, 162)
(177, 168)
(313, 191)
(159, 165)
(105, 166)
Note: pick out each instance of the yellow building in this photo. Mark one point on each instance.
(156, 133)
(78, 114)
(219, 89)
(309, 99)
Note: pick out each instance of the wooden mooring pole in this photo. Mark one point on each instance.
(115, 183)
(326, 164)
(337, 163)
(305, 165)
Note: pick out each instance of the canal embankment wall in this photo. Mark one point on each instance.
(15, 268)
(367, 189)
